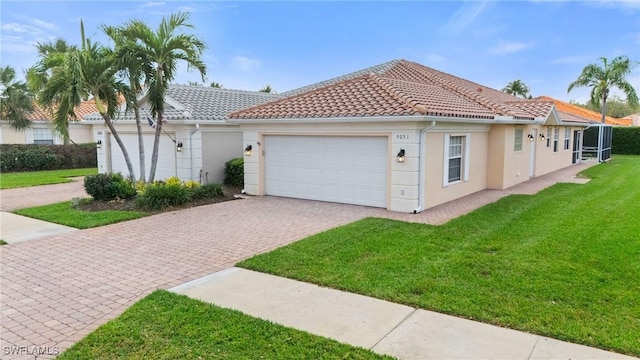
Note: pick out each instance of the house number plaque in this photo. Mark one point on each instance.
(403, 136)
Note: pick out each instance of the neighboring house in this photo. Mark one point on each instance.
(41, 132)
(593, 116)
(634, 118)
(195, 117)
(401, 136)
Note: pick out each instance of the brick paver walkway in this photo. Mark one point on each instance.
(13, 199)
(56, 290)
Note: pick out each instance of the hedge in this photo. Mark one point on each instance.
(234, 172)
(47, 157)
(626, 140)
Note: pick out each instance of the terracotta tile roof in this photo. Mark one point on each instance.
(397, 87)
(84, 108)
(581, 112)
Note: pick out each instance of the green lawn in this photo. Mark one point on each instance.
(24, 179)
(168, 326)
(563, 263)
(65, 214)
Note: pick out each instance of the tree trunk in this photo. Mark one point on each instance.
(156, 139)
(107, 121)
(604, 106)
(140, 143)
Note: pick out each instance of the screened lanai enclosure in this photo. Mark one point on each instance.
(597, 142)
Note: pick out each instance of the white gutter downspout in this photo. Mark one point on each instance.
(422, 167)
(191, 146)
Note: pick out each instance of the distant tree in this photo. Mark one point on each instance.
(163, 49)
(616, 107)
(517, 88)
(216, 85)
(602, 78)
(16, 101)
(266, 89)
(194, 83)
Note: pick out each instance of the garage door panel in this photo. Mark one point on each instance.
(166, 166)
(338, 169)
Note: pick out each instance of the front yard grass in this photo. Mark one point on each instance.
(24, 179)
(64, 213)
(563, 263)
(165, 325)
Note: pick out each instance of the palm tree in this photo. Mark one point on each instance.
(16, 101)
(138, 70)
(163, 49)
(602, 78)
(52, 58)
(517, 87)
(88, 71)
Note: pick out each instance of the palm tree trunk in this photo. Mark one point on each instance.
(127, 160)
(140, 142)
(156, 139)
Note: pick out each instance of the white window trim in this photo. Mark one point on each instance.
(567, 139)
(556, 139)
(515, 137)
(465, 159)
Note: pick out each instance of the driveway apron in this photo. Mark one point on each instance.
(56, 290)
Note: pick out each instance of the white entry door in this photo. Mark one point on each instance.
(351, 170)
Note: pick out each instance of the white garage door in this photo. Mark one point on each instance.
(166, 156)
(350, 170)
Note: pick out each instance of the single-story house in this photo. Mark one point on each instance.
(196, 141)
(41, 132)
(401, 136)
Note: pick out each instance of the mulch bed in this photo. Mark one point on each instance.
(130, 204)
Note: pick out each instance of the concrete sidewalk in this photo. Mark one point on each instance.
(16, 228)
(381, 326)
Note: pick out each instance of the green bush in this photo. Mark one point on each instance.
(159, 195)
(626, 140)
(108, 187)
(234, 172)
(47, 157)
(206, 191)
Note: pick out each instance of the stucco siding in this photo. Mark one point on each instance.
(436, 192)
(218, 148)
(547, 160)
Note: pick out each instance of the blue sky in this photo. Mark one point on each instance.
(291, 44)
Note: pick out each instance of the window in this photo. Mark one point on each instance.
(548, 136)
(517, 145)
(556, 134)
(567, 136)
(456, 156)
(42, 136)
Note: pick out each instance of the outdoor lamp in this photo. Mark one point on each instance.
(179, 146)
(531, 138)
(542, 137)
(248, 150)
(98, 144)
(400, 158)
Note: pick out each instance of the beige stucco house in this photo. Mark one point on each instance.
(401, 136)
(196, 141)
(41, 131)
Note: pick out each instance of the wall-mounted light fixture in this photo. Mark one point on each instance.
(531, 137)
(248, 151)
(400, 157)
(98, 144)
(542, 138)
(179, 146)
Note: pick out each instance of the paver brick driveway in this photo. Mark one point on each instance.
(56, 290)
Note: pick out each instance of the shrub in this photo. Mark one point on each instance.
(46, 157)
(234, 172)
(108, 187)
(626, 140)
(206, 191)
(159, 195)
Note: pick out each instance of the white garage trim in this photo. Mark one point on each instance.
(344, 169)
